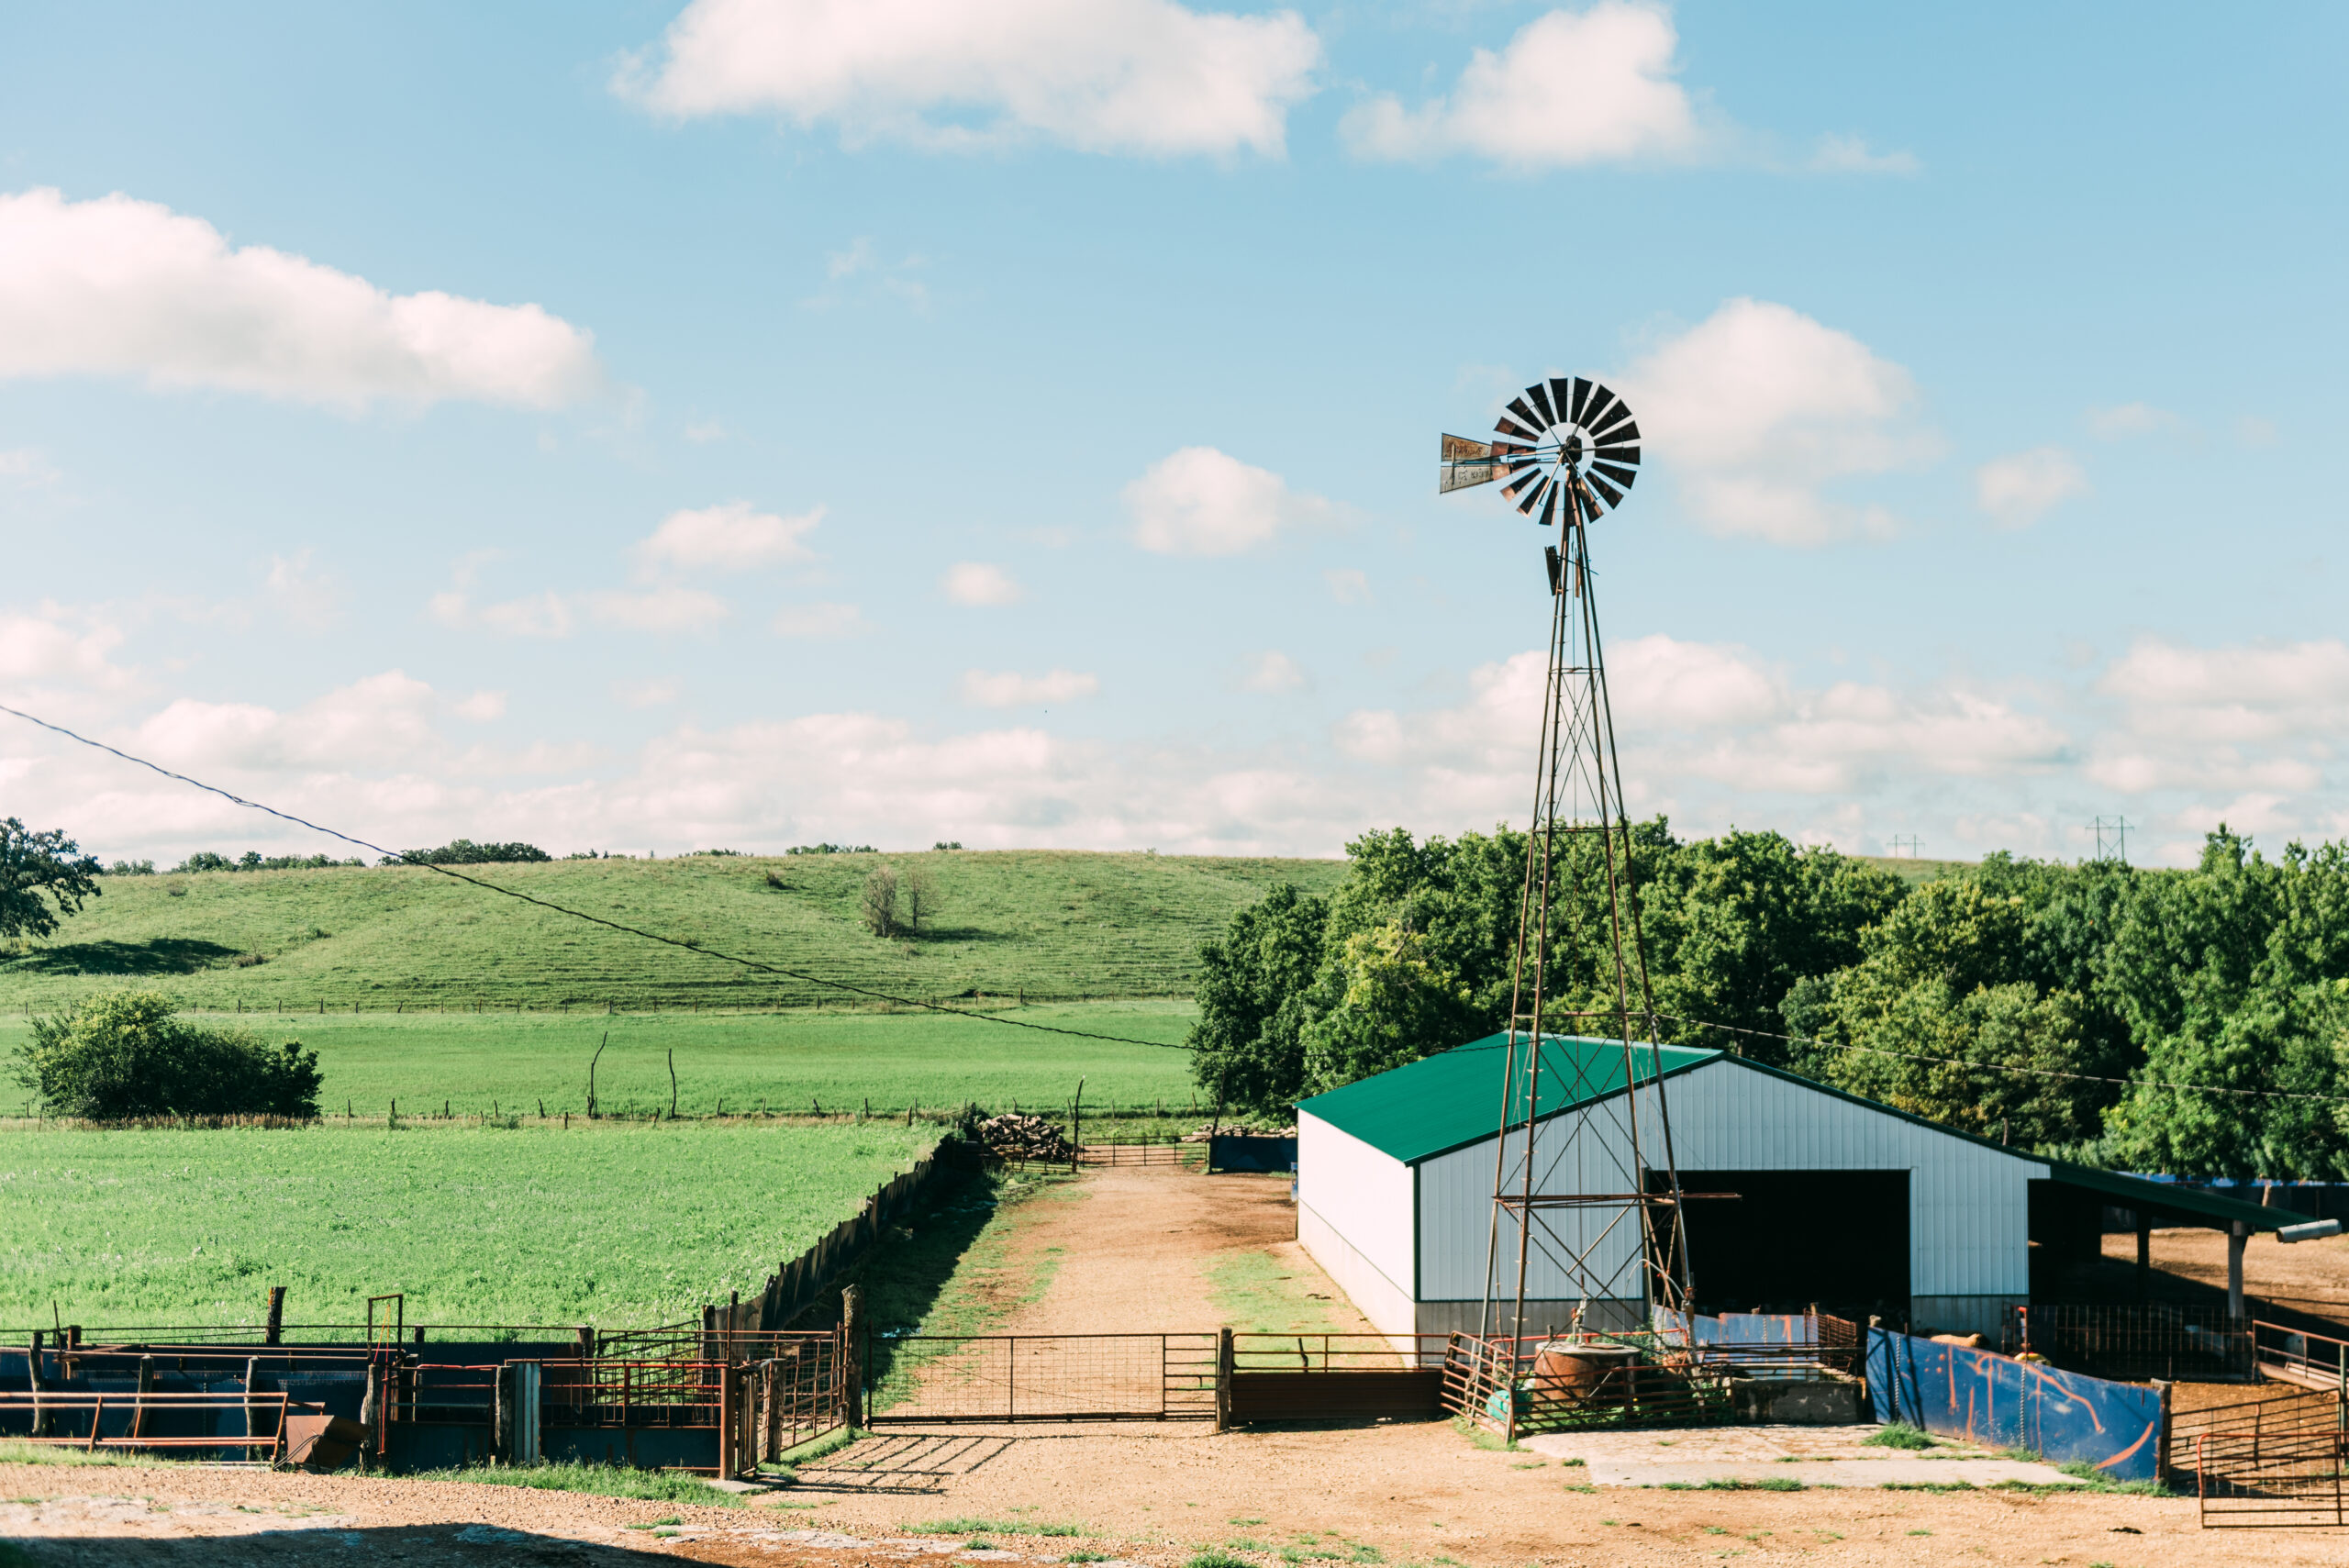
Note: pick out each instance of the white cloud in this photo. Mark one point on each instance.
(820, 621)
(644, 693)
(382, 720)
(1009, 689)
(1348, 584)
(730, 537)
(56, 646)
(533, 615)
(482, 706)
(2017, 489)
(1571, 87)
(1198, 501)
(1272, 671)
(1146, 76)
(1853, 155)
(669, 608)
(121, 287)
(2245, 693)
(299, 592)
(977, 583)
(1760, 410)
(24, 465)
(1666, 684)
(2131, 419)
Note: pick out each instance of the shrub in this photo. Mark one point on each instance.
(1899, 1434)
(115, 1057)
(131, 868)
(465, 852)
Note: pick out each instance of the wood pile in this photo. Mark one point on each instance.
(1024, 1138)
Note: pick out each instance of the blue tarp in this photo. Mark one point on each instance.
(1749, 1328)
(1999, 1402)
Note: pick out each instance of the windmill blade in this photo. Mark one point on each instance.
(1582, 397)
(1457, 449)
(1523, 481)
(1622, 476)
(1605, 431)
(1517, 406)
(1614, 496)
(1462, 475)
(1550, 507)
(1545, 486)
(1509, 449)
(1619, 434)
(1594, 413)
(1628, 456)
(1561, 393)
(1542, 401)
(1512, 427)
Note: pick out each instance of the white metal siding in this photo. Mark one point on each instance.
(1362, 1194)
(1969, 1205)
(1387, 1305)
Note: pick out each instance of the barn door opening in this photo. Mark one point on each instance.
(1793, 1238)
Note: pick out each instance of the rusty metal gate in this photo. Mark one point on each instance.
(922, 1378)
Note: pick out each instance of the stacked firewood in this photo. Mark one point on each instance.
(1015, 1137)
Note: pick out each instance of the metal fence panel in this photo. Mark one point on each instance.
(917, 1378)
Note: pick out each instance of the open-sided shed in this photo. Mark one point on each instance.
(1843, 1203)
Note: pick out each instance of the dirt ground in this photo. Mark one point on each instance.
(1121, 1249)
(2308, 1276)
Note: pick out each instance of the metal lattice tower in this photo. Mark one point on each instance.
(1594, 1197)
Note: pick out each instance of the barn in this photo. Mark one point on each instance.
(1840, 1201)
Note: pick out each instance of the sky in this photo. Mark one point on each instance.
(748, 423)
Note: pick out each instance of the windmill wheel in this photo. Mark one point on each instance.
(1566, 437)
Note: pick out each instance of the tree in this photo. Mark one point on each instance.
(1387, 1002)
(920, 895)
(877, 906)
(465, 852)
(1247, 1048)
(34, 863)
(122, 1055)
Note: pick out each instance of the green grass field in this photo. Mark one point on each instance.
(1053, 924)
(789, 1062)
(626, 1225)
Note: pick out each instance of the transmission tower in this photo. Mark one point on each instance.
(2111, 838)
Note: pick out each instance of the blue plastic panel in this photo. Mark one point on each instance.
(1999, 1402)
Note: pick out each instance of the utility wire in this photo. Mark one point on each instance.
(582, 915)
(2032, 1072)
(871, 994)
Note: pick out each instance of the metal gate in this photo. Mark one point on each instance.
(923, 1378)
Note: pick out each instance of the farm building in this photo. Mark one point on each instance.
(1841, 1202)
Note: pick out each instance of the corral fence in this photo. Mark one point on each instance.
(2298, 1357)
(946, 1378)
(2277, 1461)
(1143, 1151)
(1689, 1371)
(2135, 1344)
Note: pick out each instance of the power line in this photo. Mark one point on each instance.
(1994, 1067)
(752, 963)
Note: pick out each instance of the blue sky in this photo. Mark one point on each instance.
(650, 427)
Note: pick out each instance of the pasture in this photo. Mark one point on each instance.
(788, 1061)
(629, 1224)
(1050, 924)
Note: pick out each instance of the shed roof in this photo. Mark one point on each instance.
(1449, 1100)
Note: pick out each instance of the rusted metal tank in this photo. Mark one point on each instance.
(1583, 1371)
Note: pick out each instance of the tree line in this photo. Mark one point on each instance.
(2054, 1007)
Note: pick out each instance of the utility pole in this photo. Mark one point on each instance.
(1913, 843)
(2111, 838)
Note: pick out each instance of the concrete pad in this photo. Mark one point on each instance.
(1900, 1472)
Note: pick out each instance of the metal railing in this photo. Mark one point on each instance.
(2297, 1356)
(46, 1411)
(2133, 1344)
(917, 1378)
(1337, 1352)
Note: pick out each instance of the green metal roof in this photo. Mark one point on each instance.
(1452, 1099)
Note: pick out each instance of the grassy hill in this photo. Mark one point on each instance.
(1050, 924)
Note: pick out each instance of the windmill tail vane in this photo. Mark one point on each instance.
(1611, 1252)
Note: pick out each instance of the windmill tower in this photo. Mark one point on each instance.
(1586, 1203)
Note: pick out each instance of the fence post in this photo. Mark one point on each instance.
(275, 1332)
(728, 1434)
(1223, 1369)
(851, 1378)
(501, 1414)
(32, 1367)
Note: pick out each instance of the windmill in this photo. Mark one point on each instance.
(1570, 1192)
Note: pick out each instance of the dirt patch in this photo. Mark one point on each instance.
(2307, 1276)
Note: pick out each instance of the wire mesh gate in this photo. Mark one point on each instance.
(2282, 1458)
(921, 1378)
